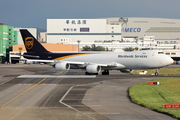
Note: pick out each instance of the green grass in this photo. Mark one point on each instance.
(162, 71)
(155, 96)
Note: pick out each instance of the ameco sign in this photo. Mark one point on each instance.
(131, 30)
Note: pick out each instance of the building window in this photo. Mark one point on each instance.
(166, 42)
(173, 53)
(167, 53)
(171, 42)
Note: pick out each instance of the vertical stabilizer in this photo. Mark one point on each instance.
(30, 43)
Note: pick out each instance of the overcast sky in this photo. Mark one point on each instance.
(34, 13)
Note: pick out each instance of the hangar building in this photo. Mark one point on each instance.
(165, 31)
(87, 31)
(116, 32)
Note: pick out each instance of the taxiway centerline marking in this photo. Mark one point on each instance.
(61, 72)
(23, 92)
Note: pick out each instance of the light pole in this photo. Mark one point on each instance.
(78, 41)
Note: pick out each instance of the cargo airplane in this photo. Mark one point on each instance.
(94, 63)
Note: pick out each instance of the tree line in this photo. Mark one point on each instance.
(93, 47)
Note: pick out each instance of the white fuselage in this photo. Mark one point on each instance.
(132, 60)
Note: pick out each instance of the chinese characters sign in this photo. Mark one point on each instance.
(70, 29)
(74, 22)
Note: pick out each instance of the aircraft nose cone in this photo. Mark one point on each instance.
(171, 61)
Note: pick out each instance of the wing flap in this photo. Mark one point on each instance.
(113, 64)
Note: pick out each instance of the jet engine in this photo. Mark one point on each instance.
(62, 66)
(93, 69)
(126, 70)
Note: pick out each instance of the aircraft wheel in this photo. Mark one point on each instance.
(105, 72)
(86, 73)
(156, 73)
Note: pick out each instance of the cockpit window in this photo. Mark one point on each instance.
(160, 52)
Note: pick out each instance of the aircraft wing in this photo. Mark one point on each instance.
(54, 61)
(112, 64)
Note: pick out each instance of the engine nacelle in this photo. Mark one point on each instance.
(93, 68)
(126, 70)
(62, 66)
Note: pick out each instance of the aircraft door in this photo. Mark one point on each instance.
(156, 58)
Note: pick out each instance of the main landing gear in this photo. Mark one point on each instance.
(157, 72)
(86, 73)
(105, 72)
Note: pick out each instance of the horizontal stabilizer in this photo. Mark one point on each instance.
(14, 54)
(33, 56)
(45, 61)
(19, 59)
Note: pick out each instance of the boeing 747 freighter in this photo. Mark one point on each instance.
(94, 63)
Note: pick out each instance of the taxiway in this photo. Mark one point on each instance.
(69, 95)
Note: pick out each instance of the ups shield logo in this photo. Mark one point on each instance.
(29, 42)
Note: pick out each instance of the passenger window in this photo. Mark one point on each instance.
(160, 52)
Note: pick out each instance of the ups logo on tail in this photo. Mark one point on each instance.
(29, 42)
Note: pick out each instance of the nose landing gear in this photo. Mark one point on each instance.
(157, 72)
